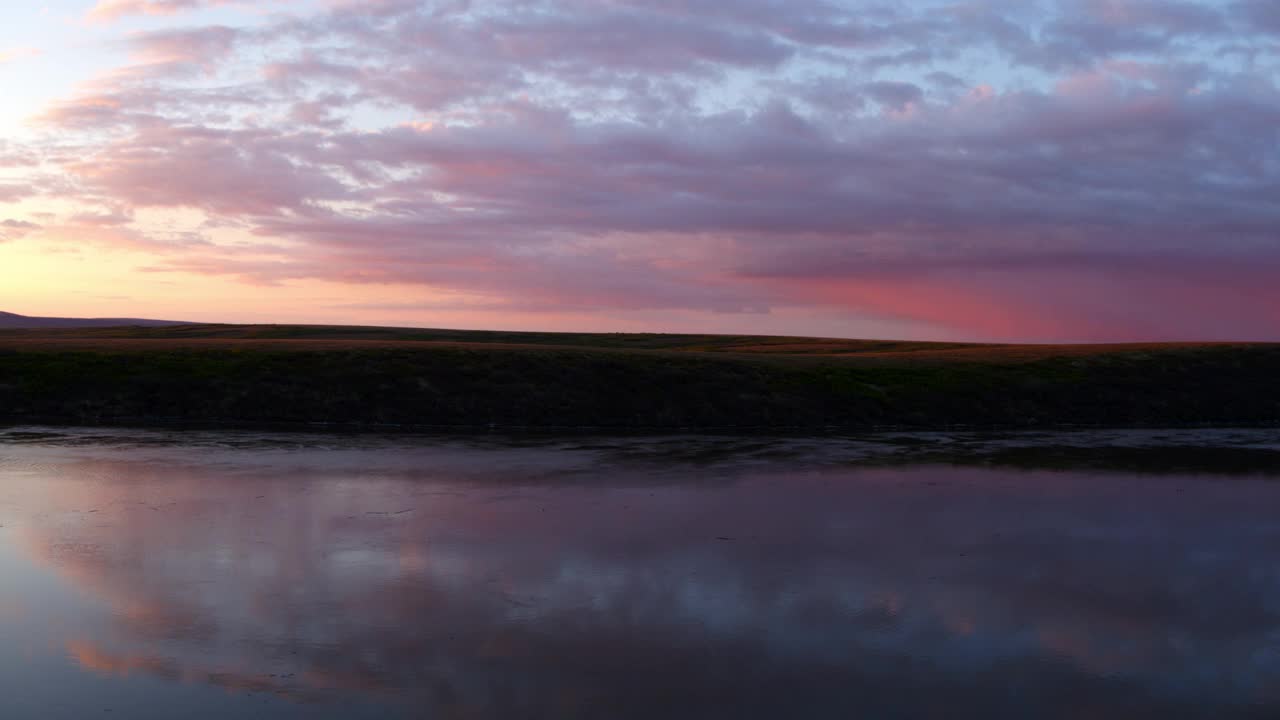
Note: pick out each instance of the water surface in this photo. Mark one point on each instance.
(250, 575)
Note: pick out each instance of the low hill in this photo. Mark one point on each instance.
(333, 337)
(405, 377)
(11, 321)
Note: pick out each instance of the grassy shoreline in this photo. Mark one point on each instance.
(418, 379)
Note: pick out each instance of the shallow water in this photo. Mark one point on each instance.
(1118, 574)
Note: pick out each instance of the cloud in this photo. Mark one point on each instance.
(201, 46)
(223, 172)
(14, 155)
(1263, 14)
(12, 192)
(112, 10)
(714, 157)
(13, 229)
(896, 95)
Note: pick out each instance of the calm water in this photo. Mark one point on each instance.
(219, 575)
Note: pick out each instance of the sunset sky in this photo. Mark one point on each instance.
(1039, 170)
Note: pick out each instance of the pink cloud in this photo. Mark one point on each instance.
(204, 46)
(1075, 298)
(709, 157)
(224, 172)
(112, 10)
(12, 192)
(11, 229)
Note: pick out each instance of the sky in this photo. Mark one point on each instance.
(1002, 170)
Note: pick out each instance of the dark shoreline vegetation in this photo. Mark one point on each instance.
(387, 378)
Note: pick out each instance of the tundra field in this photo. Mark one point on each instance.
(395, 377)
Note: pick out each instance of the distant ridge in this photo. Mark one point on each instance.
(13, 321)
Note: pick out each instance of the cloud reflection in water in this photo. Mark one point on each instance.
(766, 592)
